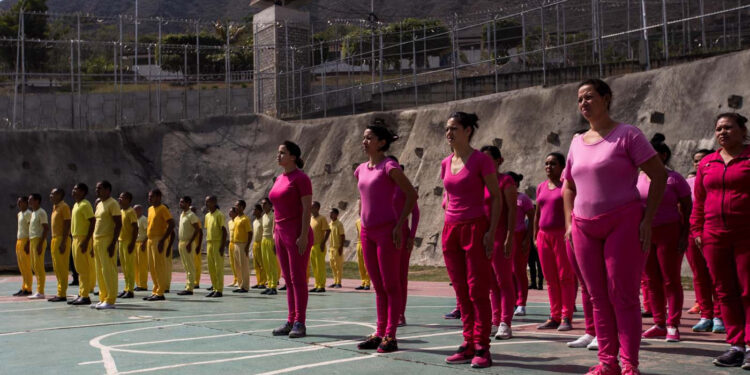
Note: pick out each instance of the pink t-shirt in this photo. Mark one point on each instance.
(550, 203)
(286, 195)
(503, 181)
(465, 189)
(691, 182)
(399, 201)
(677, 188)
(523, 205)
(606, 172)
(376, 190)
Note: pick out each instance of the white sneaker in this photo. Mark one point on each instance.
(493, 331)
(593, 346)
(95, 305)
(504, 332)
(105, 306)
(520, 311)
(582, 342)
(36, 296)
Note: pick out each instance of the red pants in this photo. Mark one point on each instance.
(561, 279)
(645, 292)
(293, 267)
(609, 254)
(588, 307)
(383, 263)
(663, 274)
(502, 290)
(705, 292)
(404, 268)
(471, 275)
(520, 263)
(727, 253)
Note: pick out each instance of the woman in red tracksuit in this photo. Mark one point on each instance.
(720, 223)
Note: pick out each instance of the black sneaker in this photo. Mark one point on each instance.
(266, 291)
(57, 299)
(549, 324)
(314, 290)
(122, 294)
(73, 283)
(746, 363)
(240, 290)
(26, 293)
(272, 292)
(321, 290)
(730, 358)
(166, 291)
(139, 289)
(256, 286)
(261, 286)
(18, 293)
(361, 287)
(332, 285)
(147, 297)
(283, 330)
(129, 295)
(647, 314)
(210, 294)
(370, 343)
(367, 287)
(82, 301)
(298, 330)
(565, 325)
(210, 288)
(388, 345)
(70, 302)
(217, 295)
(283, 287)
(185, 293)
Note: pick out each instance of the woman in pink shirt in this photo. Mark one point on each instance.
(383, 233)
(549, 232)
(468, 237)
(720, 223)
(502, 291)
(291, 196)
(668, 244)
(610, 232)
(521, 246)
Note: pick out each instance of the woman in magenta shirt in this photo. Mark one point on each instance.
(668, 244)
(291, 196)
(549, 232)
(521, 246)
(468, 237)
(382, 234)
(720, 224)
(605, 219)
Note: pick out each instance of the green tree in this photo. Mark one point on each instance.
(35, 27)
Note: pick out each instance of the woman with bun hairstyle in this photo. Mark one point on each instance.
(669, 238)
(720, 224)
(608, 226)
(383, 231)
(521, 245)
(291, 196)
(469, 235)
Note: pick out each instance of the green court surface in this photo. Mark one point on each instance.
(197, 335)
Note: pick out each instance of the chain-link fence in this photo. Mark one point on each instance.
(78, 71)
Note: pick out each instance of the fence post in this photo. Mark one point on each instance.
(400, 46)
(22, 27)
(627, 21)
(290, 108)
(135, 24)
(739, 25)
(158, 78)
(380, 66)
(523, 35)
(599, 39)
(18, 64)
(645, 35)
(703, 26)
(454, 57)
(148, 51)
(228, 75)
(323, 66)
(119, 92)
(724, 23)
(494, 41)
(594, 32)
(665, 30)
(72, 90)
(565, 38)
(185, 83)
(78, 57)
(286, 66)
(198, 67)
(301, 92)
(414, 67)
(114, 74)
(544, 48)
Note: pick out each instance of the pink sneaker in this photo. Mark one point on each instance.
(602, 369)
(655, 332)
(464, 354)
(482, 359)
(628, 369)
(673, 334)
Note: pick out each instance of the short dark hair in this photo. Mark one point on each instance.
(600, 86)
(335, 210)
(316, 203)
(258, 207)
(493, 150)
(657, 142)
(37, 197)
(704, 151)
(558, 156)
(187, 199)
(128, 195)
(155, 192)
(242, 203)
(82, 186)
(467, 120)
(60, 191)
(105, 184)
(739, 119)
(24, 199)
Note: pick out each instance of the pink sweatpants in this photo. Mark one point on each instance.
(404, 271)
(609, 254)
(727, 253)
(588, 307)
(561, 279)
(471, 275)
(705, 292)
(663, 274)
(645, 292)
(520, 264)
(502, 290)
(383, 263)
(293, 267)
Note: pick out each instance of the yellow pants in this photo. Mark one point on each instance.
(141, 265)
(242, 265)
(157, 267)
(270, 262)
(188, 263)
(231, 263)
(318, 265)
(106, 269)
(84, 265)
(37, 262)
(260, 272)
(215, 265)
(337, 264)
(24, 263)
(127, 262)
(61, 263)
(361, 263)
(168, 267)
(198, 262)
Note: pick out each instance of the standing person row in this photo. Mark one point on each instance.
(216, 241)
(82, 228)
(38, 232)
(106, 231)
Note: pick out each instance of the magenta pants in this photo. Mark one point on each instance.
(404, 270)
(727, 253)
(705, 292)
(561, 279)
(383, 263)
(520, 264)
(471, 274)
(663, 274)
(645, 292)
(609, 255)
(502, 290)
(588, 307)
(293, 267)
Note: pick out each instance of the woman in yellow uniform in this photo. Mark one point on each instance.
(361, 260)
(270, 261)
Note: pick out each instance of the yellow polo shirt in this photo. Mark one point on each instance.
(241, 228)
(105, 212)
(187, 230)
(142, 229)
(319, 227)
(337, 230)
(128, 219)
(60, 213)
(157, 221)
(79, 222)
(213, 222)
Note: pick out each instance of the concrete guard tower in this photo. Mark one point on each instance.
(279, 34)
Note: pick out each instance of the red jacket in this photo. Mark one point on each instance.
(722, 194)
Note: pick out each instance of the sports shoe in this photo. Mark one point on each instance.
(266, 291)
(240, 290)
(673, 334)
(520, 311)
(256, 286)
(455, 314)
(332, 285)
(367, 287)
(719, 326)
(283, 330)
(388, 345)
(81, 301)
(20, 293)
(703, 325)
(696, 309)
(549, 324)
(370, 343)
(565, 325)
(482, 359)
(58, 299)
(313, 290)
(602, 369)
(731, 358)
(298, 330)
(647, 314)
(339, 286)
(217, 295)
(70, 302)
(746, 362)
(185, 293)
(232, 285)
(122, 294)
(321, 290)
(655, 332)
(156, 298)
(282, 288)
(139, 289)
(361, 287)
(36, 296)
(504, 332)
(210, 294)
(272, 292)
(582, 341)
(464, 354)
(401, 321)
(129, 295)
(628, 369)
(105, 306)
(594, 345)
(95, 305)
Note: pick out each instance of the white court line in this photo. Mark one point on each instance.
(642, 339)
(90, 363)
